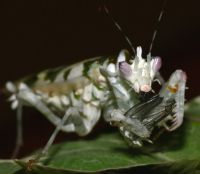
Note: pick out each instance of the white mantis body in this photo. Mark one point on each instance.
(74, 97)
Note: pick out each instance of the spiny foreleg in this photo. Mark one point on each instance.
(175, 89)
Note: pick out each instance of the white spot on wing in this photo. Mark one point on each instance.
(55, 100)
(75, 72)
(65, 100)
(87, 93)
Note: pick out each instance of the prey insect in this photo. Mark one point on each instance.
(74, 97)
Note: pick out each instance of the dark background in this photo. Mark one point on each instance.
(35, 35)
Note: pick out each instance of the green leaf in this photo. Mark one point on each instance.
(172, 151)
(192, 109)
(9, 166)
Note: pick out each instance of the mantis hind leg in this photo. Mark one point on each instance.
(19, 135)
(26, 97)
(54, 134)
(45, 150)
(80, 122)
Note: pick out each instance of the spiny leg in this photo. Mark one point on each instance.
(54, 134)
(80, 124)
(175, 89)
(83, 126)
(27, 96)
(19, 135)
(45, 150)
(124, 100)
(119, 91)
(137, 124)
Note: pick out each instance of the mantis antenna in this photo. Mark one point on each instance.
(119, 28)
(158, 22)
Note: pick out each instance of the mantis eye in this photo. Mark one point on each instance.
(125, 69)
